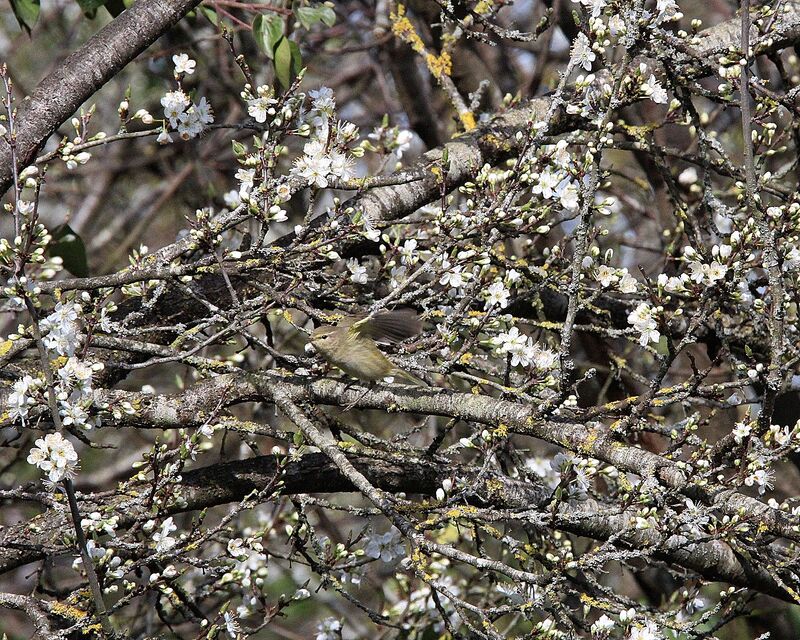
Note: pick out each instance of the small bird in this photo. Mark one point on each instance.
(350, 345)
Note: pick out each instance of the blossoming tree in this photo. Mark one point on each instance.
(593, 208)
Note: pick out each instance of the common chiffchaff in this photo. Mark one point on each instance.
(350, 345)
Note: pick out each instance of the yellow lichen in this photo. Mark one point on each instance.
(67, 611)
(467, 119)
(5, 347)
(441, 65)
(403, 29)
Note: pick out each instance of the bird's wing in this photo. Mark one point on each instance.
(391, 326)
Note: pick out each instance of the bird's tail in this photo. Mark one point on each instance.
(401, 375)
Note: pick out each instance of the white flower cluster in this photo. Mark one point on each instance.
(251, 561)
(556, 184)
(653, 90)
(454, 277)
(609, 276)
(524, 350)
(24, 396)
(187, 118)
(262, 105)
(75, 393)
(393, 139)
(643, 319)
(702, 272)
(582, 54)
(102, 556)
(54, 455)
(317, 166)
(62, 329)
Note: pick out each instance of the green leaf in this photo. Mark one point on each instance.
(210, 15)
(69, 246)
(328, 16)
(297, 59)
(309, 16)
(26, 12)
(287, 61)
(663, 346)
(267, 32)
(90, 7)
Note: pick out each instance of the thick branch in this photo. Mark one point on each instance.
(193, 406)
(506, 498)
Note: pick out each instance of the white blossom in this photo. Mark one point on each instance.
(358, 272)
(183, 64)
(63, 334)
(342, 166)
(546, 183)
(403, 142)
(582, 53)
(643, 320)
(655, 91)
(606, 275)
(164, 542)
(314, 165)
(604, 624)
(762, 478)
(386, 546)
(497, 295)
(328, 629)
(646, 631)
(54, 455)
(627, 283)
(741, 430)
(174, 103)
(232, 627)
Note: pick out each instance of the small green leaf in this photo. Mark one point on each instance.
(297, 59)
(26, 12)
(69, 246)
(210, 15)
(297, 438)
(309, 16)
(267, 32)
(287, 61)
(328, 16)
(90, 7)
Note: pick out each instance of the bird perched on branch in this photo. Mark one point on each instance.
(351, 344)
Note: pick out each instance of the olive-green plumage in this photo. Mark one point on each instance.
(350, 345)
